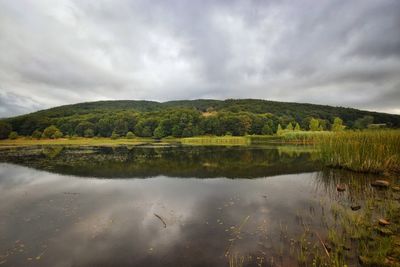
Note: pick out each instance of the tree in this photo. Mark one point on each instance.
(114, 135)
(130, 135)
(289, 127)
(89, 133)
(58, 134)
(36, 134)
(297, 127)
(104, 127)
(146, 127)
(323, 124)
(13, 135)
(337, 124)
(314, 125)
(159, 132)
(363, 122)
(177, 130)
(147, 132)
(50, 132)
(279, 130)
(121, 127)
(188, 131)
(266, 129)
(5, 130)
(82, 127)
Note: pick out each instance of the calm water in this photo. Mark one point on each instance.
(198, 206)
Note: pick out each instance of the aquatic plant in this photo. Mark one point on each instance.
(364, 151)
(216, 140)
(303, 137)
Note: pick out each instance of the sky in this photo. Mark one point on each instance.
(336, 52)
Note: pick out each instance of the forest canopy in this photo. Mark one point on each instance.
(188, 118)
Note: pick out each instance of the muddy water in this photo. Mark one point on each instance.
(203, 206)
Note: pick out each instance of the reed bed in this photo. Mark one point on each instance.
(216, 140)
(303, 137)
(375, 151)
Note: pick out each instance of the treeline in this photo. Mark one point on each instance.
(172, 121)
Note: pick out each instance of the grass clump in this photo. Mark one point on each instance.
(216, 140)
(303, 137)
(364, 151)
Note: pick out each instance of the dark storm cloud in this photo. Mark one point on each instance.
(329, 52)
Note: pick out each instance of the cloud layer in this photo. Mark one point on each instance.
(338, 52)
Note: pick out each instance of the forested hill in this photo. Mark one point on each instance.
(190, 117)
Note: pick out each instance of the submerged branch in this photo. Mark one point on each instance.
(161, 219)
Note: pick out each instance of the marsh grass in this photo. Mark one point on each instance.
(363, 151)
(216, 140)
(96, 141)
(303, 137)
(236, 260)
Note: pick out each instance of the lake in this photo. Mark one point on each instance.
(173, 206)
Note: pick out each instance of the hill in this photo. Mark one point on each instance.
(190, 117)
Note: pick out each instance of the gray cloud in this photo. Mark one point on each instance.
(331, 52)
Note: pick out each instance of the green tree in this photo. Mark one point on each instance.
(297, 127)
(130, 135)
(146, 127)
(188, 131)
(5, 130)
(83, 126)
(337, 124)
(104, 127)
(36, 134)
(159, 132)
(147, 132)
(114, 135)
(13, 135)
(89, 133)
(58, 134)
(279, 130)
(121, 127)
(289, 127)
(267, 130)
(177, 130)
(363, 122)
(314, 125)
(50, 132)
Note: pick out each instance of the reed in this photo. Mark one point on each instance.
(302, 137)
(216, 140)
(374, 151)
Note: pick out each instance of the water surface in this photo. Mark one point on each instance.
(198, 206)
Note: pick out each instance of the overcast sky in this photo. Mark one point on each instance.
(336, 52)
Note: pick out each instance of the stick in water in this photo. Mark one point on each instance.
(161, 219)
(323, 245)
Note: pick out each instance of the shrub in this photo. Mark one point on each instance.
(114, 136)
(37, 134)
(51, 132)
(58, 134)
(13, 135)
(89, 133)
(130, 135)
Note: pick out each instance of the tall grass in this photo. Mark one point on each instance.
(216, 140)
(375, 151)
(303, 137)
